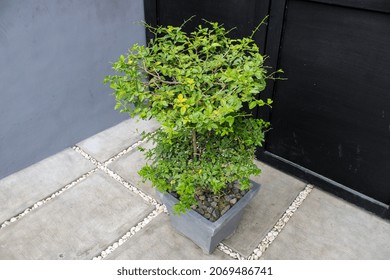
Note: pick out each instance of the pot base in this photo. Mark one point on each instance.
(207, 235)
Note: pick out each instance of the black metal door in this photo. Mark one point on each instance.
(331, 119)
(243, 15)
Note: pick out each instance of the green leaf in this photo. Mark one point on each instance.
(230, 120)
(117, 106)
(252, 105)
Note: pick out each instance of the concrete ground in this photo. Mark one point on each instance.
(88, 202)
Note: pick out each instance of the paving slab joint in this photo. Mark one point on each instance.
(46, 199)
(128, 149)
(137, 228)
(117, 177)
(230, 252)
(280, 224)
(124, 152)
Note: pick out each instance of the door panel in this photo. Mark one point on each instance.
(332, 116)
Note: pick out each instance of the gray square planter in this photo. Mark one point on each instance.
(207, 235)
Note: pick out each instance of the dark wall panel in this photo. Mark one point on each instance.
(244, 15)
(53, 57)
(332, 116)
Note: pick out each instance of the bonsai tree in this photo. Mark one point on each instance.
(196, 86)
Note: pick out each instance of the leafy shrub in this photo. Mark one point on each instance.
(196, 86)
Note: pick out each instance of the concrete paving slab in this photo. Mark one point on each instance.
(278, 190)
(326, 227)
(159, 241)
(128, 166)
(22, 189)
(110, 142)
(78, 224)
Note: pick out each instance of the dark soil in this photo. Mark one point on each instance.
(212, 206)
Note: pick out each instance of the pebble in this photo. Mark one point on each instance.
(216, 213)
(210, 209)
(202, 197)
(225, 210)
(233, 201)
(213, 204)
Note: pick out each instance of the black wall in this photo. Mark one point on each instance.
(244, 16)
(331, 119)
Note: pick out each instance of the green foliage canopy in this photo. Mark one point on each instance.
(195, 85)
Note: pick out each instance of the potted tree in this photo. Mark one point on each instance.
(196, 86)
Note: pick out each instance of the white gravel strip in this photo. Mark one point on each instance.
(281, 223)
(159, 209)
(117, 177)
(125, 151)
(227, 250)
(47, 199)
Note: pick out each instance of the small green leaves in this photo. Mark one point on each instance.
(180, 98)
(196, 86)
